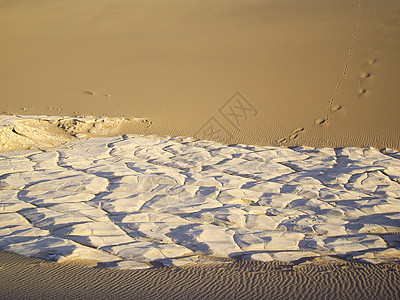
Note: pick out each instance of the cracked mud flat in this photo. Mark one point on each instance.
(137, 201)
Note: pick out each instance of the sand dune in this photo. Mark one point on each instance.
(181, 64)
(173, 204)
(337, 279)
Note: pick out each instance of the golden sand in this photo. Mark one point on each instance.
(316, 73)
(311, 73)
(32, 278)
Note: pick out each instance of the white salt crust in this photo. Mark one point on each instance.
(131, 201)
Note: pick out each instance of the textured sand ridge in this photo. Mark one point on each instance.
(35, 132)
(134, 200)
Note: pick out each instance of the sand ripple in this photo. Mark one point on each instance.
(240, 279)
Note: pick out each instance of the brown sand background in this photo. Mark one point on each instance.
(23, 278)
(177, 63)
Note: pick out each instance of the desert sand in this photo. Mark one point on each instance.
(329, 69)
(240, 279)
(205, 149)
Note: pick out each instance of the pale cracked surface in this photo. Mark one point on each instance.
(135, 200)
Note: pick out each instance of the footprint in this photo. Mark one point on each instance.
(364, 75)
(336, 107)
(371, 61)
(295, 133)
(364, 78)
(389, 33)
(320, 121)
(281, 141)
(362, 92)
(297, 130)
(332, 107)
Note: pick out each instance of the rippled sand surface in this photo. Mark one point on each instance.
(34, 278)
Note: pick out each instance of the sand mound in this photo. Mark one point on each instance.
(38, 132)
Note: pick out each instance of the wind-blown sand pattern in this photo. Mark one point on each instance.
(238, 279)
(132, 201)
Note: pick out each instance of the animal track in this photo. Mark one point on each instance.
(362, 78)
(148, 123)
(332, 107)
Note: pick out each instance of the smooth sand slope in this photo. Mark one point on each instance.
(268, 73)
(311, 73)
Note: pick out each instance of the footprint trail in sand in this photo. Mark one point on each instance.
(332, 107)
